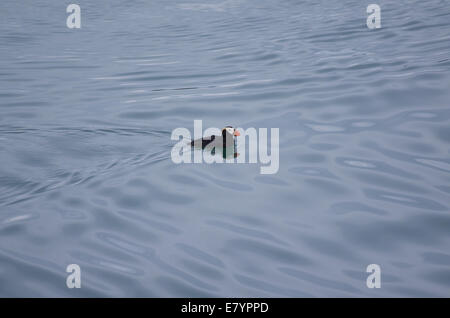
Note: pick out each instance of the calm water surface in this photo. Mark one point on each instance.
(86, 176)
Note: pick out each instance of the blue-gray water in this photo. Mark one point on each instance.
(86, 176)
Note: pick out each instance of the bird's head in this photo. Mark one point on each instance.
(230, 131)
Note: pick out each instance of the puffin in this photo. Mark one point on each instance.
(224, 144)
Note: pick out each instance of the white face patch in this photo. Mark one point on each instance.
(230, 130)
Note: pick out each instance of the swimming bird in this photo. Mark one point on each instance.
(227, 140)
(224, 144)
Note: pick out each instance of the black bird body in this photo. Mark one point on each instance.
(224, 144)
(204, 141)
(224, 141)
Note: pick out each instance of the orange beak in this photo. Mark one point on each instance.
(237, 133)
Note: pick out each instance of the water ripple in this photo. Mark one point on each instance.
(86, 174)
